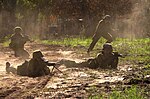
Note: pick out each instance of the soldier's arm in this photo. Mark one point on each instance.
(51, 64)
(13, 38)
(48, 63)
(114, 63)
(99, 59)
(26, 38)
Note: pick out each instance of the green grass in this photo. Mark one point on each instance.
(126, 46)
(136, 50)
(129, 93)
(146, 70)
(68, 41)
(6, 43)
(135, 46)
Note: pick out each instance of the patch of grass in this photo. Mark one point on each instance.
(94, 93)
(135, 50)
(6, 43)
(125, 46)
(147, 66)
(146, 70)
(132, 93)
(68, 41)
(96, 97)
(135, 46)
(6, 40)
(129, 93)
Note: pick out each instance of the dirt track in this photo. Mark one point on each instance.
(74, 83)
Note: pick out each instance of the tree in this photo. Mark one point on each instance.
(7, 11)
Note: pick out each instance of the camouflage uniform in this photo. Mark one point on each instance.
(103, 29)
(38, 65)
(17, 43)
(22, 69)
(105, 60)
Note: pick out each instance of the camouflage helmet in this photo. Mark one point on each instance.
(37, 54)
(17, 29)
(107, 46)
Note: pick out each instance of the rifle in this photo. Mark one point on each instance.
(118, 55)
(54, 66)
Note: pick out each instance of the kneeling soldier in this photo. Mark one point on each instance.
(17, 43)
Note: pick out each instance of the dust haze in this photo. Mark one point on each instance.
(134, 25)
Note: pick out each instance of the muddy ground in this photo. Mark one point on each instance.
(74, 83)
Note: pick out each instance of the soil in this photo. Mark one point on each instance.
(74, 83)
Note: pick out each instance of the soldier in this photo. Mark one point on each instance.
(107, 59)
(18, 41)
(38, 65)
(103, 29)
